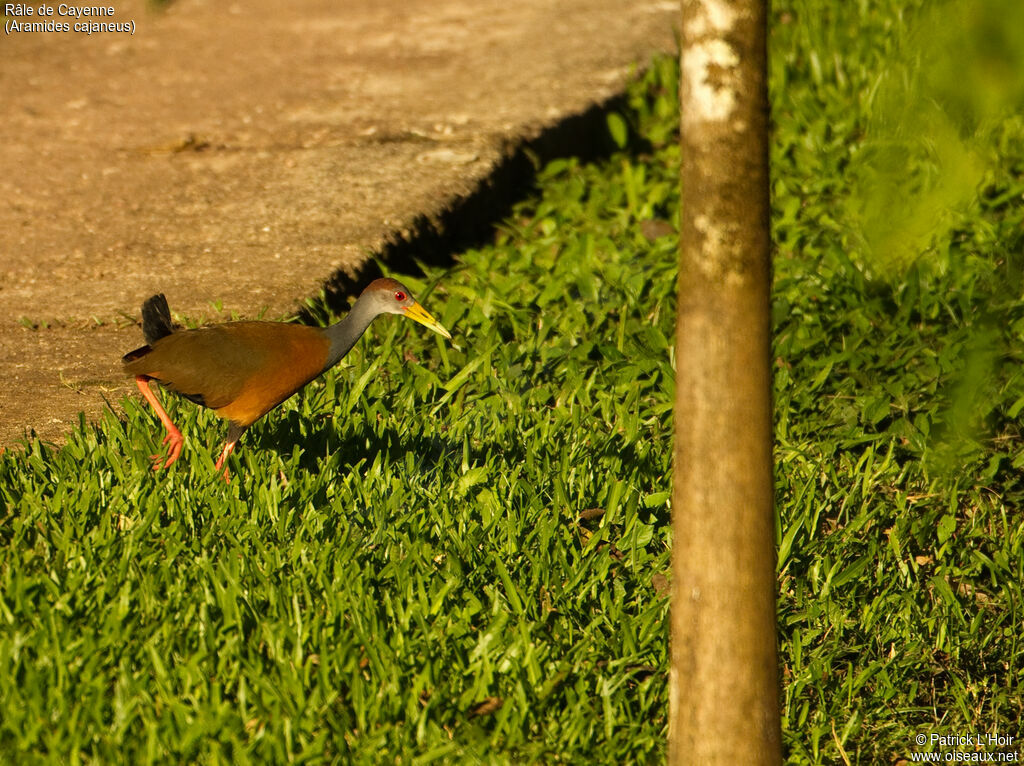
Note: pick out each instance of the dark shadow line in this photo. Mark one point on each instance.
(468, 220)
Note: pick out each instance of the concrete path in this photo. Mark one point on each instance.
(245, 152)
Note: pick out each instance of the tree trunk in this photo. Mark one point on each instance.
(724, 701)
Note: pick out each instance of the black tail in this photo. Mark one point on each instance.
(156, 319)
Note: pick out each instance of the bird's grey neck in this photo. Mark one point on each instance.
(344, 334)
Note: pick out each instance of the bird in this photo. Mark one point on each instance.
(243, 370)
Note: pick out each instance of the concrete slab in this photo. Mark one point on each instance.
(246, 152)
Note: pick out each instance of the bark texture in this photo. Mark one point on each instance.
(724, 681)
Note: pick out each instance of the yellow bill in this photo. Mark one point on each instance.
(419, 314)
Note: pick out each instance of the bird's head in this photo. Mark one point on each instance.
(392, 297)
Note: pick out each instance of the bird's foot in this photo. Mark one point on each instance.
(222, 461)
(176, 441)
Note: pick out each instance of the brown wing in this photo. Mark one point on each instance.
(241, 369)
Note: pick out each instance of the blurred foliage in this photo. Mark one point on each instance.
(953, 88)
(898, 222)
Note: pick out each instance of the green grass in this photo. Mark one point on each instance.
(400, 548)
(399, 571)
(899, 451)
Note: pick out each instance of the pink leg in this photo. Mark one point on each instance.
(222, 460)
(173, 434)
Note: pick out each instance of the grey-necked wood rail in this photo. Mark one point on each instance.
(242, 370)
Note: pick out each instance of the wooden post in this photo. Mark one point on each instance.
(724, 700)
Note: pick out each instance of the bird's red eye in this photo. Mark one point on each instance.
(399, 296)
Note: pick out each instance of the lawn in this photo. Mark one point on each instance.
(457, 553)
